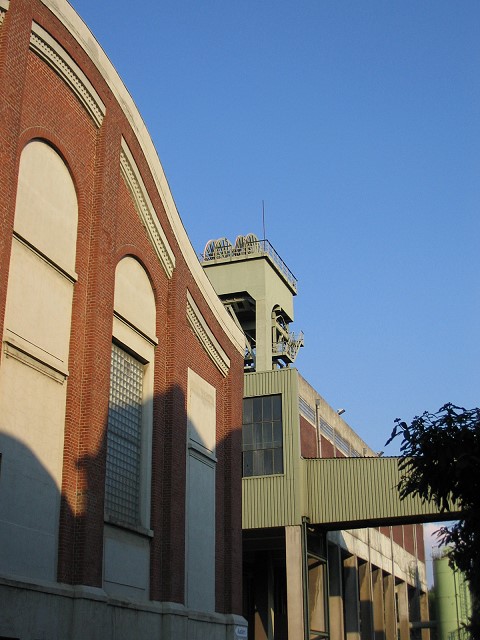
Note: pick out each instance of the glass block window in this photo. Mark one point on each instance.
(262, 436)
(124, 434)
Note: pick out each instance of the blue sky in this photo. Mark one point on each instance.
(358, 125)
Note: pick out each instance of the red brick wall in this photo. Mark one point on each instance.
(327, 448)
(420, 542)
(308, 439)
(308, 442)
(397, 533)
(408, 537)
(36, 103)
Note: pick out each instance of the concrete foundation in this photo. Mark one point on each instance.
(57, 612)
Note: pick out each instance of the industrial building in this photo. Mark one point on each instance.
(121, 382)
(310, 482)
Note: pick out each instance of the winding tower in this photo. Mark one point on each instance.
(257, 288)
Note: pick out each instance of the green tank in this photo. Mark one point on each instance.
(452, 599)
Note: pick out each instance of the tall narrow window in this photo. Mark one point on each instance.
(34, 362)
(128, 474)
(124, 438)
(262, 436)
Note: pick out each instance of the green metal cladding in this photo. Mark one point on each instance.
(273, 500)
(336, 492)
(345, 491)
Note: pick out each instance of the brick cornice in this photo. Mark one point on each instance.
(145, 210)
(206, 337)
(48, 49)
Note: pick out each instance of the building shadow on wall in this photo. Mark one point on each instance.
(29, 513)
(184, 491)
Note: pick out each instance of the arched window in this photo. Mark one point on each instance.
(34, 367)
(129, 432)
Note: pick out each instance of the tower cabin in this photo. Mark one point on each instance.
(257, 288)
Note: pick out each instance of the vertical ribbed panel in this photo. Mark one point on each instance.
(345, 490)
(270, 501)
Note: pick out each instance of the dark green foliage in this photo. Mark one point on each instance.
(440, 458)
(432, 609)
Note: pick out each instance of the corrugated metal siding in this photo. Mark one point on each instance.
(345, 490)
(270, 501)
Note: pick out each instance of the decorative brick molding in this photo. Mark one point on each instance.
(4, 5)
(206, 337)
(145, 210)
(58, 59)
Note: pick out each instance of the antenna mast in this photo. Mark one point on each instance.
(263, 219)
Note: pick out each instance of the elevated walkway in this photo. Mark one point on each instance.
(338, 493)
(351, 492)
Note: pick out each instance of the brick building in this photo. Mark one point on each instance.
(120, 371)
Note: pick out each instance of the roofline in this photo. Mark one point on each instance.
(70, 19)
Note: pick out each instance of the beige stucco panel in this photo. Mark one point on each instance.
(134, 299)
(46, 208)
(201, 412)
(36, 417)
(200, 532)
(31, 442)
(39, 303)
(126, 563)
